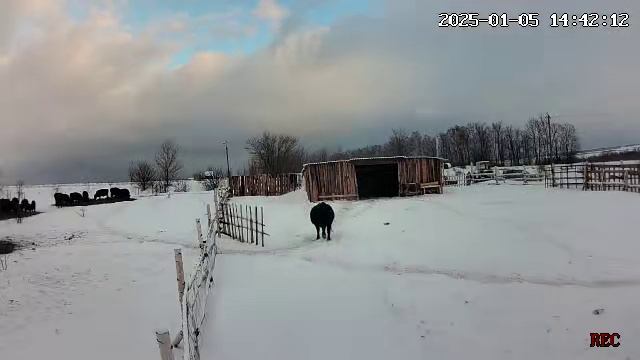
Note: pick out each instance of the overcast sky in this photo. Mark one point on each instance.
(88, 86)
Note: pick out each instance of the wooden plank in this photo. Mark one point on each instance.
(256, 223)
(249, 223)
(326, 197)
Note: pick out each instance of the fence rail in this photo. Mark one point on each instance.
(596, 177)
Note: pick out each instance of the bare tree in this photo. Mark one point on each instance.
(399, 143)
(275, 154)
(320, 155)
(429, 145)
(168, 164)
(142, 173)
(210, 178)
(498, 141)
(568, 142)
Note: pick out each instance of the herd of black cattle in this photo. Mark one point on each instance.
(76, 198)
(14, 206)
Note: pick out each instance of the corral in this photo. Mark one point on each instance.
(373, 177)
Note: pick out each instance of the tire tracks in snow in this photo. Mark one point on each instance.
(474, 276)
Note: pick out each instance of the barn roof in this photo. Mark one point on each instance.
(374, 159)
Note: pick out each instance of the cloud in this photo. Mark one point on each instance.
(271, 11)
(79, 99)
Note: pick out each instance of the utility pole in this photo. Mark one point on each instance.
(226, 148)
(549, 140)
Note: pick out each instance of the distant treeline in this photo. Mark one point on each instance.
(541, 141)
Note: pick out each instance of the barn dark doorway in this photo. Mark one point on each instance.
(379, 180)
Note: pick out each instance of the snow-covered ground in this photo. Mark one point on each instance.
(482, 272)
(95, 287)
(585, 154)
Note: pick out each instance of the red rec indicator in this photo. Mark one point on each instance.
(605, 340)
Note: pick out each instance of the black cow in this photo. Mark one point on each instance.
(24, 205)
(61, 199)
(322, 217)
(114, 192)
(101, 193)
(5, 205)
(15, 205)
(120, 194)
(123, 194)
(85, 196)
(32, 206)
(75, 197)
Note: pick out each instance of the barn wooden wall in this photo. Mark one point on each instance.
(331, 181)
(337, 180)
(419, 176)
(263, 185)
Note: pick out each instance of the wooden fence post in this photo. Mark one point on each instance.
(262, 221)
(201, 241)
(180, 274)
(256, 223)
(164, 344)
(585, 177)
(208, 219)
(626, 179)
(241, 225)
(250, 222)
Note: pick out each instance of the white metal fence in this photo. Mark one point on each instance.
(194, 293)
(201, 282)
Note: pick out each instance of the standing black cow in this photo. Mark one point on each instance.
(322, 217)
(61, 199)
(75, 197)
(124, 194)
(15, 205)
(5, 205)
(85, 196)
(32, 206)
(24, 205)
(115, 192)
(101, 193)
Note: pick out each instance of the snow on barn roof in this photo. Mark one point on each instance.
(373, 159)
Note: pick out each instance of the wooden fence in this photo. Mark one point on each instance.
(264, 185)
(243, 222)
(456, 180)
(595, 177)
(418, 176)
(334, 180)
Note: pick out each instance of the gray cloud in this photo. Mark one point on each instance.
(79, 100)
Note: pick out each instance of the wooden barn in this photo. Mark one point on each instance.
(373, 177)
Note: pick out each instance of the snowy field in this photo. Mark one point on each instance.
(481, 272)
(95, 287)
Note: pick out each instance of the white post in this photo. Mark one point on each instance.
(201, 241)
(217, 212)
(164, 343)
(626, 180)
(180, 274)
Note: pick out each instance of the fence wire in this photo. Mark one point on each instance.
(201, 282)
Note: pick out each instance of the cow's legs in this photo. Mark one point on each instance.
(317, 232)
(328, 232)
(324, 234)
